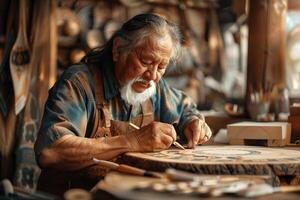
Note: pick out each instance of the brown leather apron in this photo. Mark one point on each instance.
(57, 182)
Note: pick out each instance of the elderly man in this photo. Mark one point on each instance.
(89, 109)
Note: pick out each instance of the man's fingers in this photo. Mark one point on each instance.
(189, 137)
(207, 136)
(169, 130)
(203, 130)
(197, 132)
(196, 135)
(208, 131)
(166, 140)
(192, 133)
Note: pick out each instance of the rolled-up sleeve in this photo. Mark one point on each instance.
(174, 106)
(65, 112)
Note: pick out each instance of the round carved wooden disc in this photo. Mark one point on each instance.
(231, 159)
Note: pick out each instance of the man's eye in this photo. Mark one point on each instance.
(147, 62)
(162, 66)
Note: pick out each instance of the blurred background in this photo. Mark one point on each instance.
(240, 61)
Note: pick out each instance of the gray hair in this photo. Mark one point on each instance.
(135, 30)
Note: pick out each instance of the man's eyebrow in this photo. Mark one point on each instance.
(148, 55)
(151, 56)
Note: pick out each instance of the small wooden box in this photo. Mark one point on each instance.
(259, 133)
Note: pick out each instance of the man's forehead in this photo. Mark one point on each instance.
(156, 45)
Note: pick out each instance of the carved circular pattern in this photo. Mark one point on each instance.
(223, 155)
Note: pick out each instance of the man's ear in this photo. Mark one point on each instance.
(115, 48)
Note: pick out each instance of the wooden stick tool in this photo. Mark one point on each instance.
(175, 143)
(126, 168)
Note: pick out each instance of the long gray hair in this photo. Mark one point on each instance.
(139, 27)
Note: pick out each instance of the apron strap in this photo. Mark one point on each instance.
(103, 107)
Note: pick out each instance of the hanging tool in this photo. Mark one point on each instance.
(19, 62)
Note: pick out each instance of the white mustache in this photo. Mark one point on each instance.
(132, 97)
(141, 80)
(144, 81)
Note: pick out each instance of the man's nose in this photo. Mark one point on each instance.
(151, 73)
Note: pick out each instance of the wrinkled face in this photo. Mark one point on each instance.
(148, 62)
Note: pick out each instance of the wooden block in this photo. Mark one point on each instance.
(268, 133)
(267, 143)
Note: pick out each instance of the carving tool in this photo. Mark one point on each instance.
(126, 168)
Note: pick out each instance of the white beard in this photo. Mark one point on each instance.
(133, 98)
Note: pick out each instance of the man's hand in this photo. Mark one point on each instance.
(197, 132)
(155, 136)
